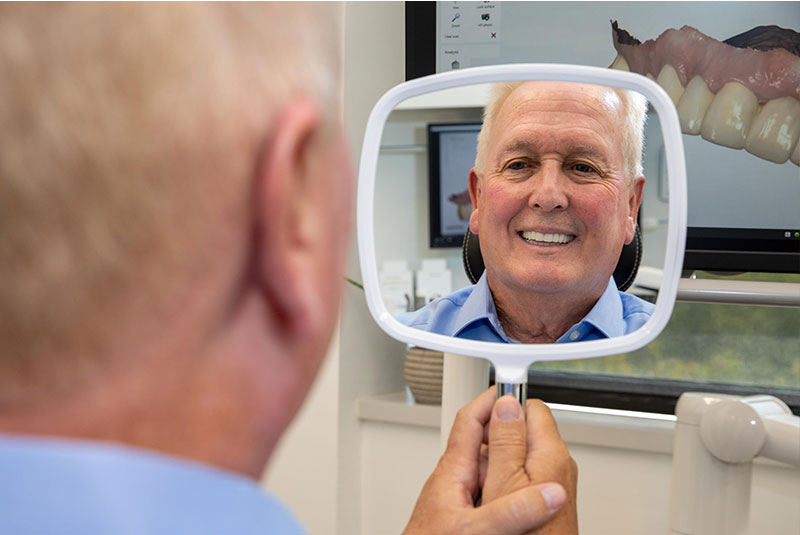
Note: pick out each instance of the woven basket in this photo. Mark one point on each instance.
(423, 374)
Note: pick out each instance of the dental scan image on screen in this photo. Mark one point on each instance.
(734, 79)
(454, 146)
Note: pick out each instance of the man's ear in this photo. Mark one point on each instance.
(474, 195)
(285, 220)
(634, 202)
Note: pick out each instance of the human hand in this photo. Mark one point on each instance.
(447, 502)
(527, 450)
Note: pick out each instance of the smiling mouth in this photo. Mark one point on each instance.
(547, 240)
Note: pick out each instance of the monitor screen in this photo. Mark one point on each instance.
(744, 210)
(451, 154)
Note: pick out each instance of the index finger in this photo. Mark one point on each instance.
(466, 435)
(541, 426)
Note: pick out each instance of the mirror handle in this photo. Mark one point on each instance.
(519, 391)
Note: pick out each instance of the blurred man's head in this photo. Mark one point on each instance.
(167, 169)
(556, 186)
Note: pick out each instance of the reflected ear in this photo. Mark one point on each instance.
(634, 202)
(474, 195)
(285, 219)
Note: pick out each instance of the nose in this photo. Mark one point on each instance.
(549, 188)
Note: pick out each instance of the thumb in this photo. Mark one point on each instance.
(508, 449)
(520, 511)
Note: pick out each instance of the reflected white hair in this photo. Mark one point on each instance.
(632, 135)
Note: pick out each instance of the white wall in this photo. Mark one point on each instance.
(623, 483)
(369, 362)
(397, 460)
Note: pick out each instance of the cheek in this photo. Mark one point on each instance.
(502, 202)
(601, 208)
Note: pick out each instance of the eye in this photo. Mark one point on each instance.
(584, 168)
(517, 166)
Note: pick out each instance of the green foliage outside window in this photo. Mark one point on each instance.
(749, 345)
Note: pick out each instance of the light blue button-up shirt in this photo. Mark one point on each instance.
(50, 486)
(470, 313)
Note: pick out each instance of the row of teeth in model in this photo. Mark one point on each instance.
(733, 117)
(555, 239)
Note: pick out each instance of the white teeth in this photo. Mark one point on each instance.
(729, 116)
(620, 64)
(795, 157)
(531, 235)
(775, 130)
(732, 117)
(668, 79)
(693, 105)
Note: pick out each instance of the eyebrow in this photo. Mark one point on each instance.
(582, 149)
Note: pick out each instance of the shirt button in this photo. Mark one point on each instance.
(574, 335)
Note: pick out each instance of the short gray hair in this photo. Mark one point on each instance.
(129, 133)
(635, 106)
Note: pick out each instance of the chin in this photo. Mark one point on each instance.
(548, 284)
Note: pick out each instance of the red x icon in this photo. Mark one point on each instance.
(494, 35)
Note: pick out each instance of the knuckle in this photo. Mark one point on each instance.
(545, 408)
(461, 415)
(573, 469)
(507, 441)
(532, 402)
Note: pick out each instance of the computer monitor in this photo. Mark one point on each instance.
(451, 154)
(744, 212)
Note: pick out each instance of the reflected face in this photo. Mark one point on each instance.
(552, 204)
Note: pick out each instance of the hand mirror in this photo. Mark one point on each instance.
(527, 175)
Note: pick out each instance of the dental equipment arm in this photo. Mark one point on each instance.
(717, 437)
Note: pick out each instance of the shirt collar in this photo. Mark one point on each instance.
(479, 306)
(605, 316)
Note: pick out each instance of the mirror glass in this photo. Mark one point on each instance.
(556, 194)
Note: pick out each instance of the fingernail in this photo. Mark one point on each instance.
(508, 409)
(554, 495)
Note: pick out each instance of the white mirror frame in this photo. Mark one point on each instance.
(511, 361)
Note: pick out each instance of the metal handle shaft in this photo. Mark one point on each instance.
(519, 391)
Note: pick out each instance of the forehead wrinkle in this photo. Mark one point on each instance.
(582, 103)
(600, 105)
(567, 147)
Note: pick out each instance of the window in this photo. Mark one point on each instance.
(736, 349)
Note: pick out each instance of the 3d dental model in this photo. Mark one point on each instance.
(743, 93)
(464, 204)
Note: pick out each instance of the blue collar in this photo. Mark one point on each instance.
(605, 316)
(479, 307)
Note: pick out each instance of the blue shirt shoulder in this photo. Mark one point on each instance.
(80, 487)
